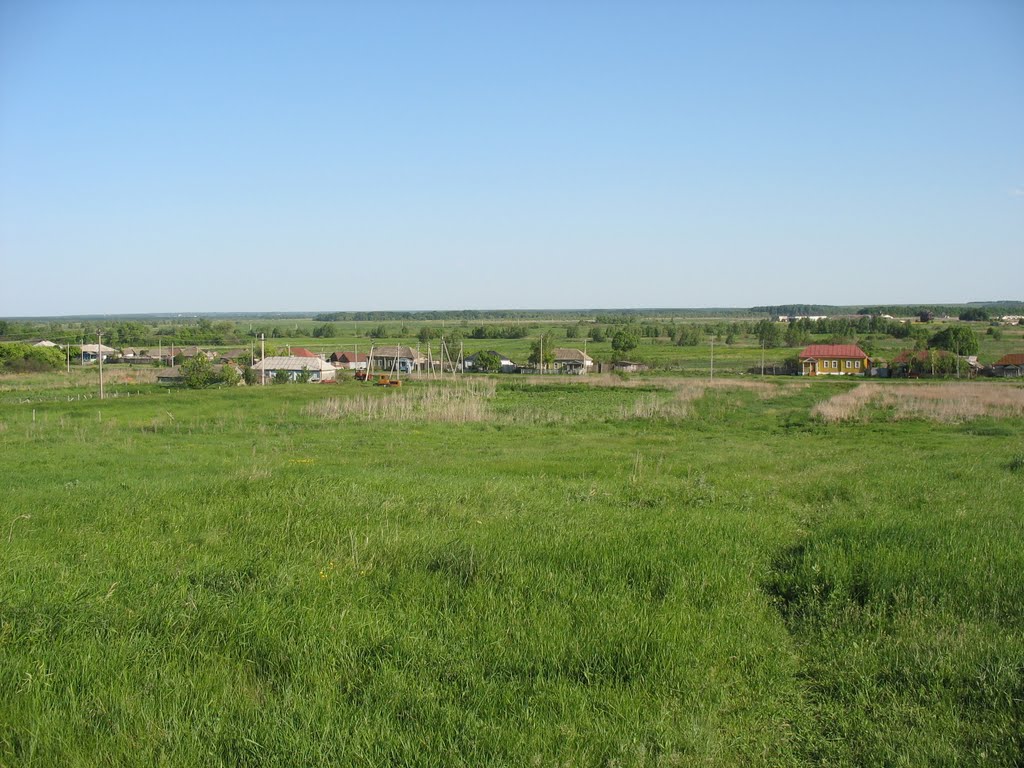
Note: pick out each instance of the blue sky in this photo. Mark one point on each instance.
(282, 156)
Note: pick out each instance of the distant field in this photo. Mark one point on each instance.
(640, 571)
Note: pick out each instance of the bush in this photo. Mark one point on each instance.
(23, 358)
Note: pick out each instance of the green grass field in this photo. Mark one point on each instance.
(621, 572)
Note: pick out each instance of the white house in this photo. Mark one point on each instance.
(319, 370)
(90, 352)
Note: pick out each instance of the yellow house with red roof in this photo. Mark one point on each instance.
(834, 360)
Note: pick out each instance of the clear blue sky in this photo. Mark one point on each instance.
(246, 156)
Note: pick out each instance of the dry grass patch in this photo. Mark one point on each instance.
(455, 402)
(686, 391)
(944, 403)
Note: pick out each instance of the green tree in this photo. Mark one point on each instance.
(959, 339)
(542, 351)
(229, 376)
(197, 372)
(974, 313)
(250, 375)
(487, 362)
(625, 340)
(282, 377)
(796, 336)
(768, 334)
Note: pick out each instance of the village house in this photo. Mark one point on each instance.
(574, 361)
(230, 355)
(833, 360)
(187, 353)
(1011, 365)
(92, 352)
(384, 358)
(138, 356)
(352, 361)
(294, 366)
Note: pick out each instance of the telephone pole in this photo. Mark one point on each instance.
(99, 356)
(263, 354)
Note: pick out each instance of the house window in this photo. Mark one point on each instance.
(856, 363)
(847, 363)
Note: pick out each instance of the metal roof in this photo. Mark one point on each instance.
(832, 350)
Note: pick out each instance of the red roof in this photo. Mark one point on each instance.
(302, 352)
(1015, 358)
(832, 350)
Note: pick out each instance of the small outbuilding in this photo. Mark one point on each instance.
(1010, 366)
(628, 366)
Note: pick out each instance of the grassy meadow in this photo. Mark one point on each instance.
(511, 571)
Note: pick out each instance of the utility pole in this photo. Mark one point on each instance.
(263, 370)
(99, 355)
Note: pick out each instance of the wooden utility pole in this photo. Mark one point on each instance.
(263, 355)
(99, 355)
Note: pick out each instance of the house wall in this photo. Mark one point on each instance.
(840, 366)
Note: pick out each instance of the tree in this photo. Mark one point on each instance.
(960, 339)
(796, 336)
(974, 313)
(545, 344)
(304, 375)
(197, 372)
(249, 375)
(768, 334)
(625, 340)
(229, 376)
(487, 362)
(282, 377)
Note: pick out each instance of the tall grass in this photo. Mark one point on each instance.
(941, 403)
(460, 401)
